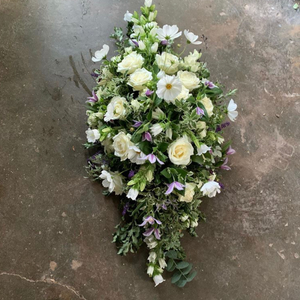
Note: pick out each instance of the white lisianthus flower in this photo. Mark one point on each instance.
(128, 16)
(154, 47)
(92, 135)
(168, 88)
(158, 279)
(190, 61)
(201, 128)
(203, 149)
(121, 143)
(169, 133)
(100, 54)
(189, 80)
(132, 194)
(180, 151)
(191, 38)
(168, 33)
(116, 109)
(150, 270)
(156, 129)
(158, 114)
(232, 113)
(188, 193)
(130, 63)
(136, 105)
(210, 189)
(162, 263)
(152, 257)
(208, 106)
(184, 93)
(107, 180)
(135, 155)
(139, 79)
(167, 62)
(142, 45)
(148, 3)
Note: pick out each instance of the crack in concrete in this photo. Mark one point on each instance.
(47, 281)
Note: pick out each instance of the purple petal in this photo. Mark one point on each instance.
(209, 84)
(152, 158)
(230, 151)
(158, 222)
(221, 185)
(223, 125)
(225, 167)
(150, 220)
(165, 42)
(164, 206)
(159, 161)
(135, 42)
(199, 111)
(149, 93)
(225, 161)
(147, 136)
(170, 188)
(131, 174)
(148, 232)
(156, 233)
(144, 223)
(179, 186)
(137, 124)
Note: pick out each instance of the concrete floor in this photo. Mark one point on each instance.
(56, 227)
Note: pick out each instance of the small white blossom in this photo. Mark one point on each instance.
(210, 189)
(154, 47)
(152, 257)
(162, 263)
(150, 270)
(232, 113)
(158, 279)
(203, 149)
(168, 88)
(128, 16)
(168, 32)
(192, 38)
(148, 3)
(156, 129)
(107, 180)
(142, 45)
(158, 114)
(132, 194)
(100, 54)
(92, 135)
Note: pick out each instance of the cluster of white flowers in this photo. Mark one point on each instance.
(158, 119)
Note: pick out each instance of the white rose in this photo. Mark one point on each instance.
(208, 106)
(167, 62)
(92, 135)
(180, 151)
(116, 109)
(121, 144)
(201, 126)
(130, 63)
(189, 193)
(135, 155)
(184, 94)
(210, 189)
(190, 61)
(189, 80)
(139, 78)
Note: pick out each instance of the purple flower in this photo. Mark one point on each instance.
(137, 124)
(93, 99)
(209, 84)
(223, 125)
(224, 166)
(230, 151)
(200, 111)
(221, 185)
(131, 174)
(135, 42)
(149, 93)
(149, 231)
(94, 74)
(179, 186)
(147, 136)
(152, 158)
(165, 42)
(150, 220)
(126, 206)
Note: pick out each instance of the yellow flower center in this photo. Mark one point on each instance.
(168, 86)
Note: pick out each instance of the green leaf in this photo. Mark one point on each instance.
(170, 264)
(214, 91)
(176, 277)
(182, 265)
(187, 270)
(145, 147)
(172, 254)
(136, 138)
(167, 175)
(198, 159)
(149, 116)
(155, 69)
(191, 276)
(181, 283)
(163, 147)
(157, 101)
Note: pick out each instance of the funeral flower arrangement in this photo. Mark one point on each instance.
(156, 122)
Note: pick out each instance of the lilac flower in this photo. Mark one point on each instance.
(165, 42)
(209, 84)
(131, 174)
(149, 93)
(200, 111)
(137, 124)
(152, 158)
(222, 126)
(147, 136)
(93, 99)
(126, 206)
(152, 230)
(150, 220)
(230, 151)
(179, 186)
(135, 42)
(224, 166)
(221, 185)
(94, 74)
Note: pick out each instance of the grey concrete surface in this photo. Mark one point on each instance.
(55, 225)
